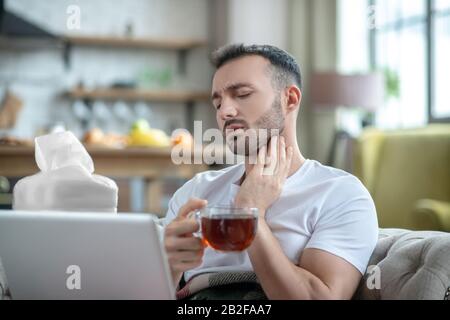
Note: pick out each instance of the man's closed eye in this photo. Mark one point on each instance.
(244, 95)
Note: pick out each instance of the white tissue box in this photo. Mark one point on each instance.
(66, 180)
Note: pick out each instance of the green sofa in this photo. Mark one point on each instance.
(407, 173)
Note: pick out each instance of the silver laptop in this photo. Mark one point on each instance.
(66, 255)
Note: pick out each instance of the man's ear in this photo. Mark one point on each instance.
(293, 98)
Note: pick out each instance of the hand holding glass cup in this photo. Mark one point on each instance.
(227, 229)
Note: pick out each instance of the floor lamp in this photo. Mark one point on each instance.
(331, 90)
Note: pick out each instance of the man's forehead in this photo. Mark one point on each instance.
(246, 69)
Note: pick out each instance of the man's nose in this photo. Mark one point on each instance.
(227, 110)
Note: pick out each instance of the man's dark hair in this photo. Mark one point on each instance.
(285, 69)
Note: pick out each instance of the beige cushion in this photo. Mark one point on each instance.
(411, 265)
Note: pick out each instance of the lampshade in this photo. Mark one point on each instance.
(332, 90)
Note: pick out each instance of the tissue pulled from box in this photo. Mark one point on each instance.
(66, 180)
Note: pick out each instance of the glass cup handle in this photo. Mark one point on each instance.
(197, 215)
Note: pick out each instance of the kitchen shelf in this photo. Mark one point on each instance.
(180, 45)
(139, 94)
(107, 41)
(189, 98)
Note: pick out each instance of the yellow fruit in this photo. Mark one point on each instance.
(149, 138)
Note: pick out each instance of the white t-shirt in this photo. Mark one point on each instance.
(319, 207)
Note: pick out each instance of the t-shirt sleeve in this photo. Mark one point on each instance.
(179, 199)
(348, 226)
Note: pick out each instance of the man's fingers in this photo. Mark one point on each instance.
(274, 149)
(281, 155)
(283, 146)
(272, 157)
(182, 227)
(187, 243)
(261, 160)
(191, 205)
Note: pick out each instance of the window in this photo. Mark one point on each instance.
(411, 44)
(441, 54)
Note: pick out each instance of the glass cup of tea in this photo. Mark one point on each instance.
(226, 228)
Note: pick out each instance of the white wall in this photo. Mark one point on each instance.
(325, 59)
(258, 22)
(300, 48)
(313, 42)
(39, 76)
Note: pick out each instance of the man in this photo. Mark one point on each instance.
(317, 225)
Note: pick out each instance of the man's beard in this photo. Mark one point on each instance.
(268, 125)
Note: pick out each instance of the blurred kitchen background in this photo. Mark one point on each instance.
(376, 99)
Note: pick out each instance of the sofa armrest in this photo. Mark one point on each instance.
(411, 265)
(431, 215)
